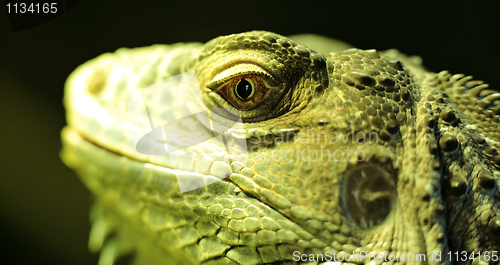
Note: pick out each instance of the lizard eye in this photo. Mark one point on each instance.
(369, 194)
(244, 92)
(243, 85)
(244, 89)
(247, 90)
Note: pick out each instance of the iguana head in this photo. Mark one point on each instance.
(356, 152)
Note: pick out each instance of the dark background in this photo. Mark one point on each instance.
(44, 207)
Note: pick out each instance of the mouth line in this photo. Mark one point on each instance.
(94, 143)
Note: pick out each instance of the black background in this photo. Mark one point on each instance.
(44, 207)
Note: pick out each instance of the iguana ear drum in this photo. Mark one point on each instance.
(368, 195)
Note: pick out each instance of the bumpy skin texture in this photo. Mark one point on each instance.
(351, 151)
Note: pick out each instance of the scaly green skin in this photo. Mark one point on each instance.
(418, 172)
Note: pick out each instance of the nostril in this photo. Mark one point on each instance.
(368, 195)
(98, 80)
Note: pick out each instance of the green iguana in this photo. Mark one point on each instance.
(353, 156)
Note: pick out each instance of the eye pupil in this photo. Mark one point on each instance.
(244, 89)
